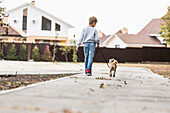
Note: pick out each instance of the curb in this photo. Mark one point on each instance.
(30, 86)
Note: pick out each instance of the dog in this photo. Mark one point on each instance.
(113, 66)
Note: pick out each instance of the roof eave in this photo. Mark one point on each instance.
(12, 35)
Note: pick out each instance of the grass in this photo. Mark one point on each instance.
(161, 69)
(14, 81)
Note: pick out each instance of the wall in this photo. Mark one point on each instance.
(115, 41)
(16, 15)
(34, 29)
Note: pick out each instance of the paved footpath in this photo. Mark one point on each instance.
(133, 90)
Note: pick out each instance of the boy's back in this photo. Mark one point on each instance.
(89, 34)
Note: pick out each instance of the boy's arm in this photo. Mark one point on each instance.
(97, 38)
(80, 40)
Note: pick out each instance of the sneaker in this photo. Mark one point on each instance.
(89, 74)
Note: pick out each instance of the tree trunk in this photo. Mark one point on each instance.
(28, 52)
(66, 57)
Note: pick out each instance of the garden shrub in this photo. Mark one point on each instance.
(47, 54)
(23, 53)
(12, 54)
(36, 54)
(1, 54)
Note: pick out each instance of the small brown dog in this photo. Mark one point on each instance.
(113, 66)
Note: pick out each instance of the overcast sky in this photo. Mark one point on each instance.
(112, 15)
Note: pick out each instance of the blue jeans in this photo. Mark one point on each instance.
(89, 49)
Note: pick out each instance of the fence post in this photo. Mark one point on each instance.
(0, 45)
(29, 52)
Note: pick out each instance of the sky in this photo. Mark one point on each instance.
(112, 15)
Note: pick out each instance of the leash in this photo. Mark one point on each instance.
(102, 55)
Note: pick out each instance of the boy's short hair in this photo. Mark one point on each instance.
(92, 19)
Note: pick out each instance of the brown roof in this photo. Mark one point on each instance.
(11, 31)
(153, 27)
(103, 38)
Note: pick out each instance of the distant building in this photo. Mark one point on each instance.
(37, 25)
(8, 34)
(102, 37)
(147, 37)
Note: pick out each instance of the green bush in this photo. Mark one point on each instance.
(1, 54)
(36, 54)
(23, 53)
(12, 54)
(47, 55)
(65, 50)
(74, 56)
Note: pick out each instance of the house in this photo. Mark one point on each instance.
(102, 37)
(37, 25)
(147, 37)
(9, 34)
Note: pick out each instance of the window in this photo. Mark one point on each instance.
(55, 42)
(117, 46)
(42, 41)
(57, 27)
(46, 24)
(24, 39)
(47, 41)
(24, 25)
(24, 21)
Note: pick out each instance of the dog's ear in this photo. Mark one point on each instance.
(111, 60)
(115, 61)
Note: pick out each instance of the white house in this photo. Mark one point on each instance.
(147, 37)
(38, 25)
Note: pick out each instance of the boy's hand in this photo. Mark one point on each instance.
(77, 49)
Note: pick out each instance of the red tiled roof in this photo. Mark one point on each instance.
(153, 27)
(127, 38)
(143, 37)
(11, 31)
(103, 38)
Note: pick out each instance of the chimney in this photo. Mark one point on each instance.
(124, 31)
(33, 2)
(100, 34)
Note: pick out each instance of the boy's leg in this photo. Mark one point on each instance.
(91, 55)
(86, 54)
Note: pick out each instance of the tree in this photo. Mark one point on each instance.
(2, 10)
(55, 45)
(74, 56)
(1, 54)
(12, 54)
(165, 27)
(23, 53)
(47, 54)
(36, 54)
(2, 14)
(65, 50)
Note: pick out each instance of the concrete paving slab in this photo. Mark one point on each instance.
(144, 92)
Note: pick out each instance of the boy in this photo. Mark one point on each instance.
(89, 37)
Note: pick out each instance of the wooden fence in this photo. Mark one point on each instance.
(122, 55)
(131, 54)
